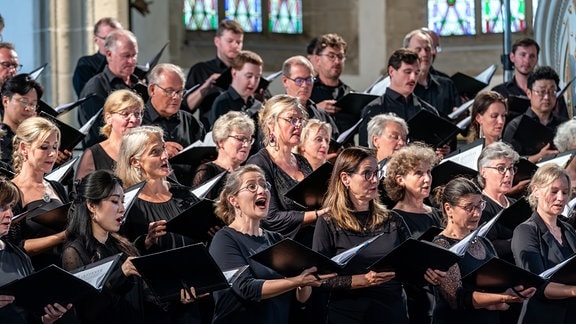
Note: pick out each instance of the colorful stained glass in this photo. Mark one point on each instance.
(493, 14)
(247, 13)
(452, 17)
(285, 16)
(201, 14)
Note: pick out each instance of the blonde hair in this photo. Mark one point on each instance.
(118, 101)
(32, 132)
(134, 143)
(268, 116)
(232, 120)
(312, 128)
(543, 179)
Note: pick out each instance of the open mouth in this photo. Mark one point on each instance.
(120, 220)
(261, 202)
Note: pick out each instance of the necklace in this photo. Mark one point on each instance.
(45, 196)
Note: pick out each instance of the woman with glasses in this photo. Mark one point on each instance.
(488, 117)
(496, 169)
(143, 157)
(95, 220)
(233, 134)
(456, 301)
(35, 151)
(259, 295)
(20, 97)
(315, 142)
(122, 111)
(544, 241)
(281, 121)
(354, 216)
(387, 133)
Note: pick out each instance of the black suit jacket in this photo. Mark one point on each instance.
(535, 249)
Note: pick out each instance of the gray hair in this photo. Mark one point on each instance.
(134, 144)
(378, 124)
(296, 60)
(416, 32)
(565, 138)
(165, 68)
(494, 151)
(232, 120)
(115, 36)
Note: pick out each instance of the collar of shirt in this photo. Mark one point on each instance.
(397, 96)
(111, 77)
(152, 116)
(552, 122)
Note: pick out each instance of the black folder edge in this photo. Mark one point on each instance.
(317, 180)
(199, 260)
(424, 124)
(200, 194)
(467, 85)
(497, 275)
(446, 171)
(115, 259)
(564, 272)
(526, 170)
(132, 190)
(354, 102)
(548, 159)
(466, 147)
(525, 135)
(196, 221)
(70, 137)
(67, 167)
(34, 74)
(62, 109)
(195, 155)
(344, 137)
(60, 211)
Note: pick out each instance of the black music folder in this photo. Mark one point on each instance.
(526, 170)
(497, 275)
(446, 171)
(56, 285)
(354, 102)
(196, 221)
(197, 153)
(467, 155)
(167, 272)
(142, 71)
(431, 129)
(515, 214)
(561, 159)
(203, 189)
(63, 108)
(517, 105)
(289, 258)
(62, 172)
(310, 192)
(69, 136)
(53, 215)
(130, 195)
(430, 234)
(532, 135)
(344, 137)
(466, 85)
(564, 272)
(225, 79)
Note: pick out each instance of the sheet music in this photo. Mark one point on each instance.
(486, 75)
(86, 127)
(380, 87)
(347, 132)
(546, 274)
(561, 161)
(463, 107)
(569, 207)
(461, 247)
(208, 141)
(343, 258)
(468, 158)
(96, 276)
(58, 174)
(129, 196)
(273, 76)
(232, 275)
(203, 189)
(484, 229)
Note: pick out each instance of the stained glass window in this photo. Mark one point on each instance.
(246, 12)
(493, 14)
(451, 17)
(201, 14)
(285, 16)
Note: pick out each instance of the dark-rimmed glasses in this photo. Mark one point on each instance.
(369, 175)
(332, 57)
(295, 121)
(8, 65)
(253, 187)
(25, 104)
(470, 208)
(542, 93)
(242, 139)
(172, 92)
(502, 169)
(126, 115)
(300, 81)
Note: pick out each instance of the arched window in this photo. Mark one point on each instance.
(255, 16)
(472, 17)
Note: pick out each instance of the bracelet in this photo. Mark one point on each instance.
(316, 212)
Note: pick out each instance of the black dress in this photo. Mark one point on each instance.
(499, 235)
(121, 298)
(243, 303)
(102, 161)
(206, 172)
(453, 297)
(381, 304)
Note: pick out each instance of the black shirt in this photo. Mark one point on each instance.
(322, 115)
(394, 102)
(182, 128)
(102, 84)
(230, 100)
(198, 74)
(320, 92)
(6, 144)
(441, 93)
(87, 67)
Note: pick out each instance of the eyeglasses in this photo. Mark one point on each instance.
(470, 208)
(295, 121)
(542, 93)
(395, 137)
(127, 115)
(502, 169)
(172, 92)
(300, 81)
(369, 175)
(8, 65)
(332, 57)
(253, 187)
(25, 104)
(243, 140)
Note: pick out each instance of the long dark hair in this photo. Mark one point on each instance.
(93, 188)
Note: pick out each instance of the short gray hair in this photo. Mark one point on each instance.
(115, 36)
(164, 68)
(496, 150)
(565, 137)
(378, 124)
(232, 120)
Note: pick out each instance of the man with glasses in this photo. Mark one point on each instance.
(8, 65)
(329, 58)
(181, 128)
(90, 65)
(228, 41)
(524, 56)
(121, 56)
(246, 71)
(542, 88)
(297, 80)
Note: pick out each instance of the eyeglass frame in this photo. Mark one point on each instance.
(243, 140)
(8, 65)
(471, 208)
(126, 115)
(369, 175)
(170, 93)
(503, 169)
(300, 81)
(543, 93)
(267, 186)
(26, 104)
(332, 57)
(293, 121)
